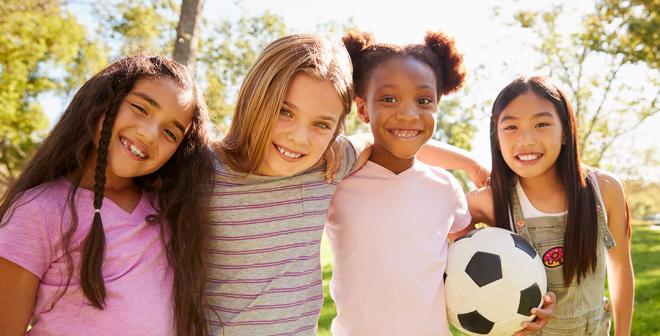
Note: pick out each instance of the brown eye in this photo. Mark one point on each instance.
(139, 108)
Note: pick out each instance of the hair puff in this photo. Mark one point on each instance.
(451, 61)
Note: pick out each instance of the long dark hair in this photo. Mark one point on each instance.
(580, 238)
(179, 184)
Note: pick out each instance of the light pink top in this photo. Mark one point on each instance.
(388, 235)
(137, 277)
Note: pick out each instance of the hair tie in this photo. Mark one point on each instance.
(97, 211)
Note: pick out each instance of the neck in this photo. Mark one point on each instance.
(544, 184)
(385, 159)
(112, 182)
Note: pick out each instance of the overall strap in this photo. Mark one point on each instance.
(601, 212)
(518, 220)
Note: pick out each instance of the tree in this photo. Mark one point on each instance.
(137, 26)
(187, 31)
(596, 71)
(228, 52)
(43, 49)
(628, 28)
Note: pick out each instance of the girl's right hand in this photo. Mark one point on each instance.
(543, 315)
(479, 175)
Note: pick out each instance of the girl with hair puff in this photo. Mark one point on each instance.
(389, 222)
(102, 231)
(271, 194)
(576, 217)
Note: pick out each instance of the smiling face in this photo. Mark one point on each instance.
(400, 104)
(150, 124)
(304, 128)
(530, 135)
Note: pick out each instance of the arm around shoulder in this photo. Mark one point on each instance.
(437, 153)
(619, 263)
(480, 203)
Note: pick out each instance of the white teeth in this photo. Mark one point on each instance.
(136, 151)
(529, 157)
(406, 133)
(288, 154)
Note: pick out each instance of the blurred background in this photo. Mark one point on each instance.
(603, 53)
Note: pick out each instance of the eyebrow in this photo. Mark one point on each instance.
(387, 86)
(146, 97)
(537, 115)
(295, 108)
(155, 104)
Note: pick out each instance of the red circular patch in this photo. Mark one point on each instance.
(554, 257)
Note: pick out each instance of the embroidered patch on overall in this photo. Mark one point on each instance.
(554, 257)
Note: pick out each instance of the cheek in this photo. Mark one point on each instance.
(321, 141)
(167, 150)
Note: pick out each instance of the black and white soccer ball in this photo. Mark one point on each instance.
(493, 279)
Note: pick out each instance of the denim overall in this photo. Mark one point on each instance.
(581, 309)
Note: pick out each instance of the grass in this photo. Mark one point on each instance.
(646, 262)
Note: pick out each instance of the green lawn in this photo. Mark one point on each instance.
(646, 260)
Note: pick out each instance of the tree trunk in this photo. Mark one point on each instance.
(185, 45)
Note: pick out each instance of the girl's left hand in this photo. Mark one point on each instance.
(543, 315)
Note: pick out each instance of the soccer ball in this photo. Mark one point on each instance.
(493, 279)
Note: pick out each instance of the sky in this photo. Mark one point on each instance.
(501, 52)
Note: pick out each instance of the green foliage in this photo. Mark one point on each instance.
(642, 198)
(628, 28)
(43, 49)
(139, 26)
(228, 52)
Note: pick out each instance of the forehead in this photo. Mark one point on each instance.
(528, 105)
(170, 96)
(313, 96)
(402, 70)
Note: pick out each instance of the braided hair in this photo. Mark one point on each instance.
(438, 52)
(65, 151)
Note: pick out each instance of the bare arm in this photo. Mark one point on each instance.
(18, 291)
(436, 153)
(619, 263)
(480, 204)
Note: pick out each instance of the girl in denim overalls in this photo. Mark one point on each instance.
(575, 217)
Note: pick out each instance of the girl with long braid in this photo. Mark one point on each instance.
(102, 231)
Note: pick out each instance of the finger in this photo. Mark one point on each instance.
(533, 326)
(542, 314)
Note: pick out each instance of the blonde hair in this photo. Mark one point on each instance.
(263, 91)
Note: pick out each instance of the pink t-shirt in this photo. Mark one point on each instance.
(137, 276)
(388, 234)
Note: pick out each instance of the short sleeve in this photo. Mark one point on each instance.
(348, 158)
(25, 238)
(462, 217)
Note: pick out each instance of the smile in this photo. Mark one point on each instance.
(405, 133)
(133, 149)
(288, 154)
(528, 157)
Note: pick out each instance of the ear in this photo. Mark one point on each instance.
(362, 109)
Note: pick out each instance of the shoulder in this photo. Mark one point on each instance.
(436, 173)
(611, 188)
(43, 198)
(480, 203)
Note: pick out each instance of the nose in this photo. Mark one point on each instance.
(408, 112)
(148, 132)
(298, 134)
(527, 138)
